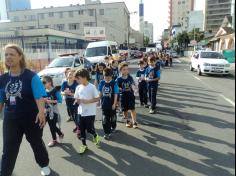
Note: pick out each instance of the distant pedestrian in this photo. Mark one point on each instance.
(21, 95)
(109, 91)
(152, 78)
(52, 99)
(142, 85)
(126, 84)
(87, 96)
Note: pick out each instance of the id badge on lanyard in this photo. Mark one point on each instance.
(12, 100)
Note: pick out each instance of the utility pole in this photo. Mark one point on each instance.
(194, 38)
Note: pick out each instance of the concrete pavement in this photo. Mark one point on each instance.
(192, 135)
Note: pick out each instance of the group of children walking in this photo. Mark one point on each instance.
(113, 88)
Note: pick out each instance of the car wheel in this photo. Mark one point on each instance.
(199, 72)
(191, 67)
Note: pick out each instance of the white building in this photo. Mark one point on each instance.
(196, 19)
(148, 31)
(112, 17)
(179, 10)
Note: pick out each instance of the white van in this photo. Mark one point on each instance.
(97, 51)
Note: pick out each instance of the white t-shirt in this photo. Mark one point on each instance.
(87, 93)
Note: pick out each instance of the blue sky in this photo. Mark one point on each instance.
(156, 11)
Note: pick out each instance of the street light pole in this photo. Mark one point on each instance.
(194, 38)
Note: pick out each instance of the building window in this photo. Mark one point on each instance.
(91, 12)
(101, 12)
(31, 27)
(32, 17)
(59, 27)
(81, 12)
(60, 14)
(74, 26)
(51, 14)
(16, 19)
(71, 14)
(41, 16)
(89, 24)
(46, 26)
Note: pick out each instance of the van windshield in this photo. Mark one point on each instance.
(98, 51)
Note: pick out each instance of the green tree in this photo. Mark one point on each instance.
(146, 41)
(198, 35)
(183, 39)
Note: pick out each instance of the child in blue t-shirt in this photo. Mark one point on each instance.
(142, 85)
(109, 91)
(152, 77)
(99, 73)
(115, 69)
(68, 90)
(126, 83)
(52, 113)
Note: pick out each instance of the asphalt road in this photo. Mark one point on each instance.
(192, 135)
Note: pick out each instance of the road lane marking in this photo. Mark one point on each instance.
(228, 100)
(197, 78)
(221, 95)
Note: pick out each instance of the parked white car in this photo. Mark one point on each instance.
(56, 69)
(209, 62)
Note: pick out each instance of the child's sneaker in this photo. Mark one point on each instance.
(52, 143)
(45, 171)
(152, 111)
(128, 124)
(106, 136)
(113, 130)
(135, 125)
(83, 149)
(97, 140)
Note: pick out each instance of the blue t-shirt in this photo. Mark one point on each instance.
(65, 85)
(108, 91)
(153, 73)
(158, 65)
(141, 74)
(54, 94)
(115, 73)
(125, 84)
(19, 93)
(99, 77)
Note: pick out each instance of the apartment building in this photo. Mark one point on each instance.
(113, 17)
(178, 12)
(216, 11)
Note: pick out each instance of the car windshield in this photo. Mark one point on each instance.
(61, 62)
(98, 51)
(211, 55)
(143, 49)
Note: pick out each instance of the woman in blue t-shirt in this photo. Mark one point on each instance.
(21, 95)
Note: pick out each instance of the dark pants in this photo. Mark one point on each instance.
(153, 96)
(109, 121)
(86, 124)
(171, 62)
(143, 93)
(71, 108)
(53, 127)
(13, 131)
